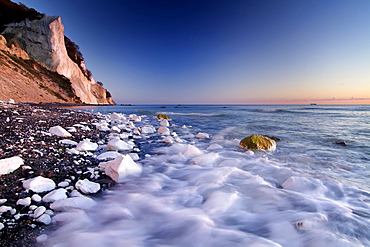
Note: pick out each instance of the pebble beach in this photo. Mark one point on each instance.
(29, 150)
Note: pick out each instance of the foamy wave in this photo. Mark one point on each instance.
(272, 110)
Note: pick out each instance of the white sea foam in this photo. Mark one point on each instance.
(190, 196)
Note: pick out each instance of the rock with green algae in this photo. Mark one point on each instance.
(163, 116)
(257, 142)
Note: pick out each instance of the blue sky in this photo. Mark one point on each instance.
(222, 52)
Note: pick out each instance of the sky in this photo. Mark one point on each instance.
(222, 52)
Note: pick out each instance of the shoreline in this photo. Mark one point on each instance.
(24, 132)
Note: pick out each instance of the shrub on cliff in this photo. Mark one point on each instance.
(13, 12)
(76, 56)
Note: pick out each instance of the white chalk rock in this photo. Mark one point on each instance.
(38, 212)
(24, 202)
(201, 135)
(191, 151)
(164, 130)
(72, 151)
(55, 195)
(164, 122)
(121, 167)
(9, 165)
(134, 156)
(136, 132)
(87, 187)
(59, 131)
(115, 129)
(5, 209)
(71, 129)
(42, 238)
(11, 101)
(178, 139)
(86, 128)
(36, 198)
(1, 226)
(49, 212)
(86, 145)
(117, 144)
(39, 184)
(80, 202)
(75, 193)
(45, 219)
(117, 116)
(103, 127)
(108, 155)
(135, 118)
(68, 142)
(147, 129)
(2, 201)
(124, 135)
(63, 184)
(168, 140)
(130, 125)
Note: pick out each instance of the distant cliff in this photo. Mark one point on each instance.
(32, 41)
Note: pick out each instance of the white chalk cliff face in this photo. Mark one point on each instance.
(43, 40)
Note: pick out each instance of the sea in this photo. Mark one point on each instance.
(313, 190)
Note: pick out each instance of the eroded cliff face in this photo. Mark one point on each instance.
(25, 80)
(43, 41)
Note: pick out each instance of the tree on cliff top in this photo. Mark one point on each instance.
(12, 12)
(76, 56)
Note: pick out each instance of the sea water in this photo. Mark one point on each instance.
(313, 190)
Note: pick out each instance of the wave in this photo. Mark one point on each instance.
(272, 110)
(197, 114)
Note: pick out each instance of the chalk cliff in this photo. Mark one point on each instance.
(42, 40)
(25, 80)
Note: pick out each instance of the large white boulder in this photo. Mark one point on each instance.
(117, 144)
(39, 184)
(164, 130)
(55, 195)
(164, 122)
(59, 131)
(87, 187)
(86, 145)
(9, 165)
(81, 202)
(121, 167)
(147, 129)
